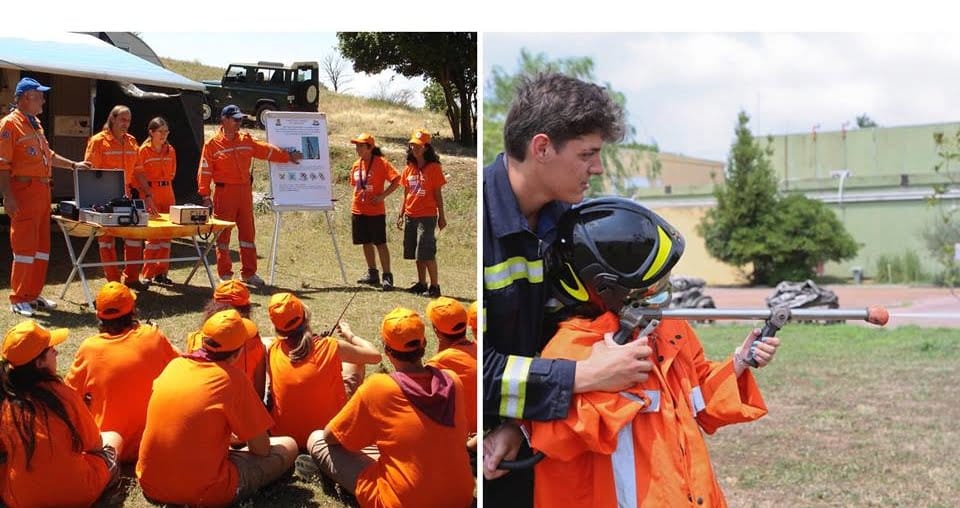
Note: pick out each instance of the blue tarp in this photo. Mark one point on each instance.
(81, 55)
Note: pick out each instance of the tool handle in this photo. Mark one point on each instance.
(769, 330)
(513, 465)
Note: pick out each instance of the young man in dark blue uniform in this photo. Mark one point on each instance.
(553, 133)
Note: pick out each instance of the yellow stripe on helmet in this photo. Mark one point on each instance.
(663, 252)
(580, 293)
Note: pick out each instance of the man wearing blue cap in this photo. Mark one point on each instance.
(225, 162)
(25, 178)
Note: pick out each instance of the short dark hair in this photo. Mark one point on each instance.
(119, 325)
(406, 356)
(561, 107)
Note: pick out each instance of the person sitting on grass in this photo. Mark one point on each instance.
(311, 376)
(455, 351)
(114, 370)
(642, 446)
(399, 441)
(234, 294)
(55, 455)
(472, 319)
(199, 402)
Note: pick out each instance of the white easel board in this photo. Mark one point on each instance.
(304, 186)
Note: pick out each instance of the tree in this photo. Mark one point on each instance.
(782, 238)
(942, 235)
(865, 122)
(446, 58)
(335, 68)
(502, 86)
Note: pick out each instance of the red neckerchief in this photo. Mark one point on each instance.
(437, 401)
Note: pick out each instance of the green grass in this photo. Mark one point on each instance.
(857, 417)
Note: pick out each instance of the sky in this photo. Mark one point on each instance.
(222, 49)
(684, 90)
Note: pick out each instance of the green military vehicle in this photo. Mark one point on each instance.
(263, 86)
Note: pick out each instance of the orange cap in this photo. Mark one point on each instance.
(286, 312)
(420, 137)
(364, 139)
(233, 292)
(402, 330)
(227, 331)
(114, 300)
(447, 315)
(27, 340)
(472, 317)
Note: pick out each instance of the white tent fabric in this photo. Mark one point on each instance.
(81, 55)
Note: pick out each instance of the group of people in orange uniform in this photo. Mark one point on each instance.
(237, 409)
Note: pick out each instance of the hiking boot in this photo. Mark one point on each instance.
(137, 284)
(418, 289)
(22, 308)
(44, 303)
(163, 279)
(306, 467)
(254, 281)
(387, 281)
(372, 278)
(432, 292)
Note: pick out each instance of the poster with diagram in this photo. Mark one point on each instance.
(307, 185)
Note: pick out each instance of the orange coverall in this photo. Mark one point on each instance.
(160, 168)
(105, 151)
(642, 446)
(226, 163)
(26, 156)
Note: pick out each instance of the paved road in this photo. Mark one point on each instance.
(922, 306)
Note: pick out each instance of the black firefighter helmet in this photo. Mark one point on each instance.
(610, 251)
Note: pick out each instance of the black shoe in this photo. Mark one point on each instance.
(372, 278)
(306, 467)
(162, 279)
(417, 289)
(387, 281)
(432, 292)
(137, 285)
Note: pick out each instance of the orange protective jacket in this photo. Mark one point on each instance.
(105, 151)
(24, 151)
(158, 166)
(226, 161)
(643, 446)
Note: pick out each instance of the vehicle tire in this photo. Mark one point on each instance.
(262, 110)
(207, 112)
(311, 95)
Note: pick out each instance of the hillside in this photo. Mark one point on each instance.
(193, 70)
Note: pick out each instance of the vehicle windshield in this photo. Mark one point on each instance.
(304, 74)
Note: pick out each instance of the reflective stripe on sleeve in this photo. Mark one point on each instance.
(516, 268)
(696, 400)
(27, 260)
(44, 256)
(513, 386)
(653, 395)
(248, 245)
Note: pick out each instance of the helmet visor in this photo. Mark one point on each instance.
(656, 296)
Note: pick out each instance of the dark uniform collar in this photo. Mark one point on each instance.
(503, 210)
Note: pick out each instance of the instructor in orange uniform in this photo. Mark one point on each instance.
(25, 175)
(114, 148)
(159, 162)
(226, 163)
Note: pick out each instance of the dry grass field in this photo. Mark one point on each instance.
(307, 263)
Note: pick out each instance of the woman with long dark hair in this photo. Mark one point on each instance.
(422, 211)
(55, 454)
